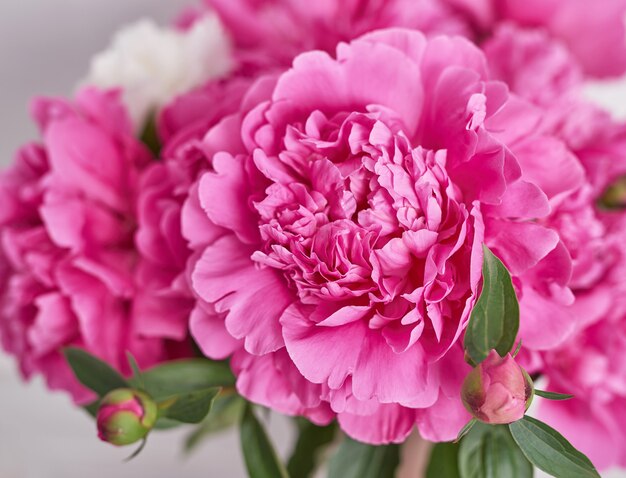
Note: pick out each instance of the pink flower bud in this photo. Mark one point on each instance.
(125, 416)
(498, 390)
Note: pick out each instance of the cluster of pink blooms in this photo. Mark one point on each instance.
(317, 215)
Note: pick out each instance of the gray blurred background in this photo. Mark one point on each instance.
(45, 47)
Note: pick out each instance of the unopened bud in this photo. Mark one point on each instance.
(125, 416)
(498, 390)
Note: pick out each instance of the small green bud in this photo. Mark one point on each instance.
(126, 416)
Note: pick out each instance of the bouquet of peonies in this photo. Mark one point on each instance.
(385, 218)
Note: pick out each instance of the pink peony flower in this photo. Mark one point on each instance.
(68, 259)
(595, 36)
(352, 197)
(533, 64)
(498, 390)
(269, 32)
(542, 71)
(166, 296)
(590, 364)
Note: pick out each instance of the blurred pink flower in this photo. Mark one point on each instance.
(270, 32)
(590, 364)
(164, 186)
(541, 70)
(534, 65)
(596, 36)
(66, 229)
(352, 197)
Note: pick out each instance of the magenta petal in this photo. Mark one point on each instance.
(442, 421)
(317, 82)
(197, 229)
(345, 315)
(390, 423)
(209, 332)
(521, 200)
(544, 322)
(370, 379)
(262, 380)
(549, 164)
(161, 316)
(520, 245)
(54, 326)
(253, 298)
(88, 160)
(587, 430)
(222, 196)
(322, 354)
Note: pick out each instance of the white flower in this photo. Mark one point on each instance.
(154, 64)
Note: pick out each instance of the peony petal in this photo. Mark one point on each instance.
(253, 298)
(55, 324)
(443, 421)
(87, 160)
(209, 332)
(223, 198)
(520, 245)
(390, 423)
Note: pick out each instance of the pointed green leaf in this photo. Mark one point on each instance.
(311, 443)
(358, 460)
(489, 452)
(226, 412)
(92, 372)
(553, 395)
(150, 136)
(92, 408)
(259, 454)
(444, 461)
(549, 451)
(181, 376)
(164, 423)
(494, 322)
(192, 407)
(465, 430)
(134, 366)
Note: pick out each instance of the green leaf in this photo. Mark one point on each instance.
(489, 452)
(92, 372)
(183, 376)
(92, 408)
(553, 395)
(192, 407)
(444, 461)
(226, 411)
(312, 441)
(548, 450)
(358, 460)
(259, 454)
(134, 366)
(164, 423)
(466, 429)
(150, 136)
(495, 319)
